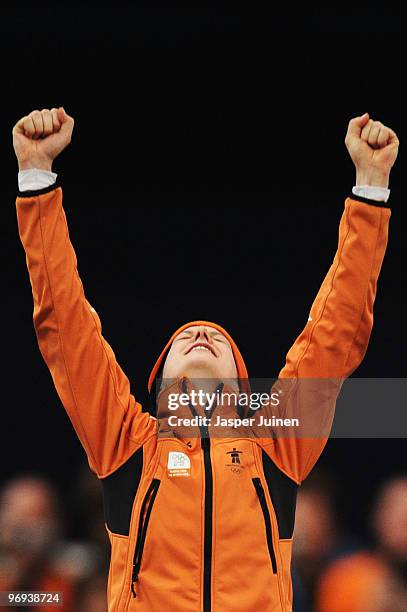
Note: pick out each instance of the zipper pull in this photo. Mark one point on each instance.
(134, 579)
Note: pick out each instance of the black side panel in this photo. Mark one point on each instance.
(119, 490)
(283, 493)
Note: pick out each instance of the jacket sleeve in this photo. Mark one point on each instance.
(334, 340)
(91, 385)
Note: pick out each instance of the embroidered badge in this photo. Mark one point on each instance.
(179, 464)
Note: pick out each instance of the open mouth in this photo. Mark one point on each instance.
(201, 346)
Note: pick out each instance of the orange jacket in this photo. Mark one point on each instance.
(214, 538)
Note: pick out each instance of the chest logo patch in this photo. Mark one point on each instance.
(179, 464)
(234, 460)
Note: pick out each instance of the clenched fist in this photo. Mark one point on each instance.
(39, 137)
(373, 148)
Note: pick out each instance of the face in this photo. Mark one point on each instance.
(390, 518)
(200, 352)
(314, 526)
(28, 517)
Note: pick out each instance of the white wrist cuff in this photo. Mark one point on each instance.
(34, 178)
(381, 194)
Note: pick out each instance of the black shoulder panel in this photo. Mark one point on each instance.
(119, 490)
(283, 493)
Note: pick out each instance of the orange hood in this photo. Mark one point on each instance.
(240, 364)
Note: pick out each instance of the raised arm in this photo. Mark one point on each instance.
(91, 385)
(335, 338)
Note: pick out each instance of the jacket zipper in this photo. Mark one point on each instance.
(267, 521)
(144, 519)
(205, 444)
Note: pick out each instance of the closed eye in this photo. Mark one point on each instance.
(182, 337)
(222, 339)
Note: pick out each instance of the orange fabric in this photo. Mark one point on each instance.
(240, 364)
(111, 425)
(91, 385)
(351, 584)
(336, 336)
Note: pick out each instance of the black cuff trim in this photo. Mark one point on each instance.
(37, 192)
(369, 201)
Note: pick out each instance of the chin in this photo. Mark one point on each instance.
(200, 366)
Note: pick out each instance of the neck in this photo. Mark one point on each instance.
(202, 380)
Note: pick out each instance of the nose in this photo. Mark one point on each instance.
(202, 334)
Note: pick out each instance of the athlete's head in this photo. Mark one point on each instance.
(200, 349)
(29, 517)
(389, 518)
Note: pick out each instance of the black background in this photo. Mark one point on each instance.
(205, 179)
